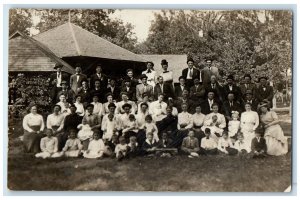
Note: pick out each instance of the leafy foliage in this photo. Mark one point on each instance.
(19, 20)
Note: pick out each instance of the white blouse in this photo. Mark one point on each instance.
(79, 108)
(168, 76)
(185, 118)
(98, 108)
(198, 119)
(221, 120)
(55, 120)
(33, 120)
(249, 121)
(151, 77)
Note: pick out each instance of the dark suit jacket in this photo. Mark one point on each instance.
(260, 94)
(69, 94)
(254, 104)
(258, 146)
(100, 93)
(147, 146)
(235, 89)
(218, 91)
(198, 94)
(131, 93)
(251, 87)
(226, 109)
(115, 93)
(196, 73)
(85, 94)
(167, 91)
(178, 91)
(134, 81)
(165, 144)
(74, 85)
(190, 103)
(53, 77)
(103, 80)
(205, 108)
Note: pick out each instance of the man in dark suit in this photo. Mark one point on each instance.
(190, 73)
(258, 145)
(129, 75)
(231, 87)
(179, 88)
(113, 89)
(264, 91)
(56, 80)
(163, 88)
(216, 87)
(197, 91)
(129, 89)
(98, 76)
(249, 98)
(99, 91)
(230, 105)
(85, 92)
(69, 94)
(185, 99)
(206, 105)
(208, 71)
(76, 79)
(247, 85)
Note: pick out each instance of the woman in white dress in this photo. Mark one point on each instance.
(151, 74)
(276, 141)
(249, 123)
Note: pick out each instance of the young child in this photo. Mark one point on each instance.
(213, 124)
(234, 124)
(208, 144)
(258, 145)
(131, 128)
(149, 146)
(85, 133)
(240, 144)
(96, 147)
(73, 145)
(49, 146)
(190, 145)
(225, 145)
(150, 127)
(109, 128)
(121, 149)
(133, 149)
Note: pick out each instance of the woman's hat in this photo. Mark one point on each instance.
(143, 76)
(164, 62)
(127, 105)
(263, 104)
(111, 105)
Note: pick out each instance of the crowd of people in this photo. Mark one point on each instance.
(100, 116)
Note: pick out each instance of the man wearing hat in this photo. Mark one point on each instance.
(264, 91)
(167, 75)
(69, 94)
(56, 79)
(232, 87)
(208, 71)
(247, 85)
(249, 98)
(142, 88)
(150, 73)
(76, 79)
(98, 76)
(129, 89)
(190, 73)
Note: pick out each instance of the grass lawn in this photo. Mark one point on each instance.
(206, 174)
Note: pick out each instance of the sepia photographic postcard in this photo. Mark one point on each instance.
(145, 100)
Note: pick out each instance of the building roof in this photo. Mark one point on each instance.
(176, 63)
(27, 54)
(69, 40)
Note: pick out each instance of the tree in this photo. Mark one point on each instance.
(19, 20)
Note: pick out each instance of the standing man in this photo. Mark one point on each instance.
(164, 88)
(208, 71)
(76, 79)
(98, 76)
(247, 85)
(142, 88)
(231, 87)
(56, 80)
(190, 73)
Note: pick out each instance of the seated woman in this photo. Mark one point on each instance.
(215, 122)
(110, 101)
(73, 145)
(33, 125)
(49, 146)
(184, 124)
(276, 141)
(249, 123)
(55, 122)
(198, 120)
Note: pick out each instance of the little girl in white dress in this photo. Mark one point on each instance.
(150, 127)
(85, 131)
(234, 124)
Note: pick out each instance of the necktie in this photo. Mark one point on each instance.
(149, 71)
(161, 87)
(209, 68)
(213, 86)
(230, 104)
(191, 73)
(246, 86)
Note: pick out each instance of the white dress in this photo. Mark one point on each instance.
(95, 150)
(149, 128)
(233, 127)
(49, 148)
(249, 122)
(85, 132)
(208, 123)
(150, 77)
(72, 147)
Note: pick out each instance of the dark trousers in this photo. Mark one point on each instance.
(208, 151)
(141, 137)
(177, 137)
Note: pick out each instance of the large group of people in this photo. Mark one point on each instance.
(100, 116)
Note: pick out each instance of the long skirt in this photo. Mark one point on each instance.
(31, 141)
(248, 136)
(276, 141)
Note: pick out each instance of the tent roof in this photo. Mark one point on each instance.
(27, 54)
(69, 40)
